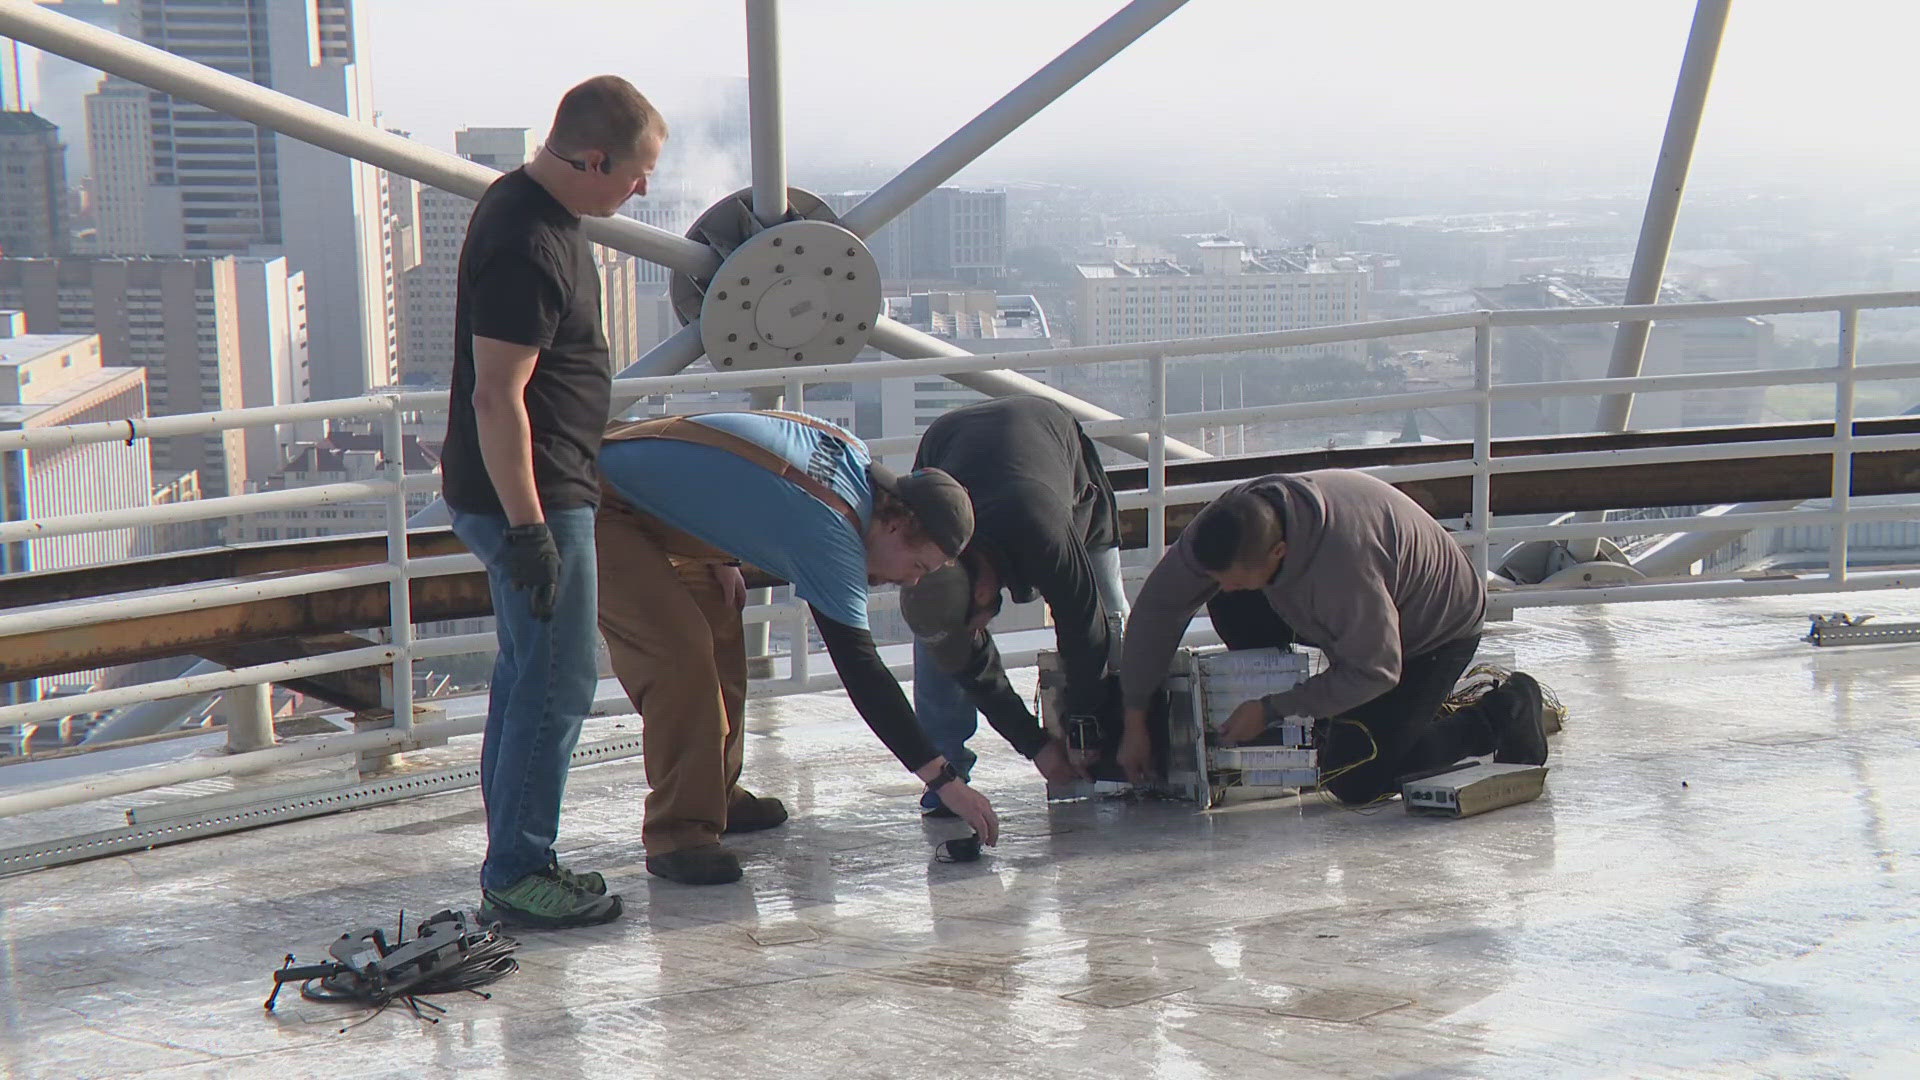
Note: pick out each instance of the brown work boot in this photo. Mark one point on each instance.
(703, 864)
(752, 813)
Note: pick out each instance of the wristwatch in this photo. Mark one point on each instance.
(945, 777)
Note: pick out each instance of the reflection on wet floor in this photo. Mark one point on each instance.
(1715, 884)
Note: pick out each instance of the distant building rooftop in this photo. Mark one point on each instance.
(15, 122)
(966, 315)
(29, 347)
(1302, 260)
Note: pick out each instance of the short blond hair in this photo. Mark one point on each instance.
(607, 114)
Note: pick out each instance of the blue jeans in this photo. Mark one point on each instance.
(945, 712)
(543, 684)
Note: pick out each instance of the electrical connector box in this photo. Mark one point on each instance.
(1203, 688)
(1474, 789)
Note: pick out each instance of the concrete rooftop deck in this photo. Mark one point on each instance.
(1719, 883)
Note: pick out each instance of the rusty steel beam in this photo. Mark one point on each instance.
(1213, 470)
(216, 564)
(358, 690)
(192, 633)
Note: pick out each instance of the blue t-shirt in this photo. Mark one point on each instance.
(754, 514)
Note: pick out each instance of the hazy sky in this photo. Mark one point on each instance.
(1220, 85)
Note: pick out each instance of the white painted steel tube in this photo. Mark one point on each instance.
(1843, 440)
(400, 590)
(1651, 591)
(1705, 523)
(1663, 200)
(1480, 518)
(1001, 118)
(1157, 458)
(206, 423)
(195, 510)
(44, 29)
(173, 601)
(924, 359)
(195, 685)
(1703, 309)
(291, 752)
(767, 128)
(905, 341)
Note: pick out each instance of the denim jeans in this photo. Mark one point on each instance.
(945, 712)
(543, 685)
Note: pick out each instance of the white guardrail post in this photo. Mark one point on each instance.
(1481, 516)
(1843, 386)
(400, 625)
(1157, 457)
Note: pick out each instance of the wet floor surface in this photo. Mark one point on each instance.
(1719, 883)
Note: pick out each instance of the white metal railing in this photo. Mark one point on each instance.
(1475, 530)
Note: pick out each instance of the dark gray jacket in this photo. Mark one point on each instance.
(1041, 502)
(1368, 578)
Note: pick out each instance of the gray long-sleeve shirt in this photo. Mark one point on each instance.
(1368, 577)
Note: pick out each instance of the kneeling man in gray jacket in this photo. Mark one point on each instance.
(1348, 564)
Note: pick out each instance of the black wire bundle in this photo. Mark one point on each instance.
(475, 959)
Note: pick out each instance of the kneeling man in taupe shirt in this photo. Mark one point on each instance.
(1348, 564)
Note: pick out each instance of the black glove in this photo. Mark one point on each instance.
(533, 563)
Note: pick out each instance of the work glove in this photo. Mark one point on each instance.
(533, 564)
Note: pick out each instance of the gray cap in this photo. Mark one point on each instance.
(938, 603)
(936, 499)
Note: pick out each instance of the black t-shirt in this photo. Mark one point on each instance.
(527, 277)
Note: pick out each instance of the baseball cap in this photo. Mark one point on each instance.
(936, 499)
(938, 604)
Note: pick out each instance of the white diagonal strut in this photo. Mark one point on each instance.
(1001, 118)
(909, 344)
(46, 30)
(764, 117)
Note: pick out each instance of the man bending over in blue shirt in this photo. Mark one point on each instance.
(685, 501)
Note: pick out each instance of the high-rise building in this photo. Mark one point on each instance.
(219, 186)
(953, 234)
(33, 186)
(54, 86)
(673, 212)
(427, 289)
(119, 134)
(47, 380)
(620, 303)
(213, 333)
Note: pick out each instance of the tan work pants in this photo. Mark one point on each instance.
(678, 647)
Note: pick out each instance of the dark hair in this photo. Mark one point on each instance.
(607, 114)
(1234, 530)
(889, 508)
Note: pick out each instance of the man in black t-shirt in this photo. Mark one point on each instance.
(531, 388)
(1045, 527)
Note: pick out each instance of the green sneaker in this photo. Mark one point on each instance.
(591, 881)
(544, 902)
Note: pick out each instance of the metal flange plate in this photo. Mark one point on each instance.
(801, 292)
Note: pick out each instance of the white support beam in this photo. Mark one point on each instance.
(907, 343)
(1001, 118)
(768, 127)
(1663, 201)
